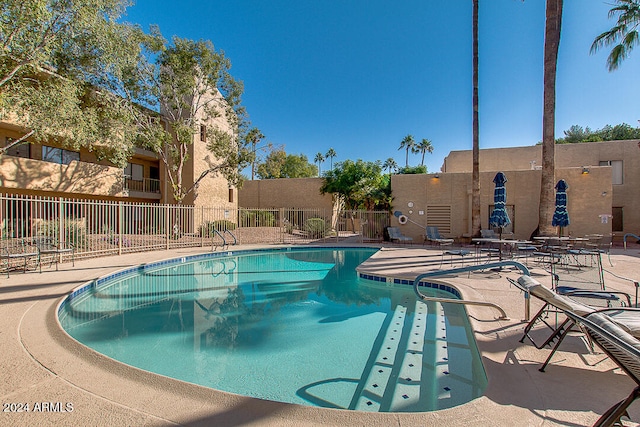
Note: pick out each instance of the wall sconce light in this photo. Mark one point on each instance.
(585, 170)
(437, 176)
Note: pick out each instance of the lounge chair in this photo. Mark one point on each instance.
(395, 235)
(581, 270)
(433, 236)
(615, 304)
(621, 347)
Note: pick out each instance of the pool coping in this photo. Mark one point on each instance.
(43, 362)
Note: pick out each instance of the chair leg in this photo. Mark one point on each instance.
(613, 414)
(561, 337)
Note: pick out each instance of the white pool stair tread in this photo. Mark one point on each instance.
(407, 390)
(378, 380)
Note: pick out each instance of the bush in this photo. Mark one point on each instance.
(206, 228)
(258, 219)
(315, 227)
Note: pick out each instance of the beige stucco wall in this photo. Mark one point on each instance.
(585, 200)
(76, 178)
(625, 196)
(301, 193)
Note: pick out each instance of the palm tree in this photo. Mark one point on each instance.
(423, 147)
(553, 24)
(390, 164)
(476, 217)
(330, 155)
(407, 143)
(319, 159)
(624, 35)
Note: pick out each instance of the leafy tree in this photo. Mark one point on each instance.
(390, 165)
(359, 184)
(61, 65)
(423, 147)
(319, 159)
(407, 143)
(190, 83)
(576, 134)
(412, 170)
(252, 139)
(279, 164)
(623, 36)
(553, 24)
(330, 155)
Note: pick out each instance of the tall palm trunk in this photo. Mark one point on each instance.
(475, 186)
(551, 43)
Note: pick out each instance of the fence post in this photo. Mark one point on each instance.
(282, 225)
(120, 213)
(60, 235)
(200, 228)
(167, 226)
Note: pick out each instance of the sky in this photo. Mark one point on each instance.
(359, 75)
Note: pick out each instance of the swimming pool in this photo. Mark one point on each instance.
(292, 325)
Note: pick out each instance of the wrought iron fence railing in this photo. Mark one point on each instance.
(99, 228)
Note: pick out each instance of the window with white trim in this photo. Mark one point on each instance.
(616, 170)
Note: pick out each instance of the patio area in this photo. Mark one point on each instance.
(40, 363)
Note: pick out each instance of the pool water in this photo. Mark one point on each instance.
(294, 326)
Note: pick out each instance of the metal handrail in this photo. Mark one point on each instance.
(235, 241)
(503, 315)
(522, 267)
(624, 239)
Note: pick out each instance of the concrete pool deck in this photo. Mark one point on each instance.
(40, 363)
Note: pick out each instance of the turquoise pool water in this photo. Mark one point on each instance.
(295, 326)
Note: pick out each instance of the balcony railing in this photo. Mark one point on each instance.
(147, 185)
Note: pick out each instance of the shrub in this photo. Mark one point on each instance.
(206, 228)
(315, 227)
(258, 219)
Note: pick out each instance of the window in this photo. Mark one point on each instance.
(616, 170)
(231, 195)
(20, 150)
(203, 133)
(59, 155)
(134, 171)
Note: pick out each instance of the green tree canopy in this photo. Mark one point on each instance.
(412, 170)
(359, 184)
(279, 164)
(61, 65)
(618, 132)
(190, 83)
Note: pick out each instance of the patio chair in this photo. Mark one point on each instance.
(433, 236)
(580, 272)
(395, 235)
(48, 246)
(23, 251)
(621, 347)
(618, 308)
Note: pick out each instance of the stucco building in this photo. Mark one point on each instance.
(603, 195)
(49, 169)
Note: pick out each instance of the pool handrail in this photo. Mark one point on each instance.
(624, 239)
(491, 265)
(235, 241)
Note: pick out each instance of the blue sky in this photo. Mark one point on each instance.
(359, 75)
